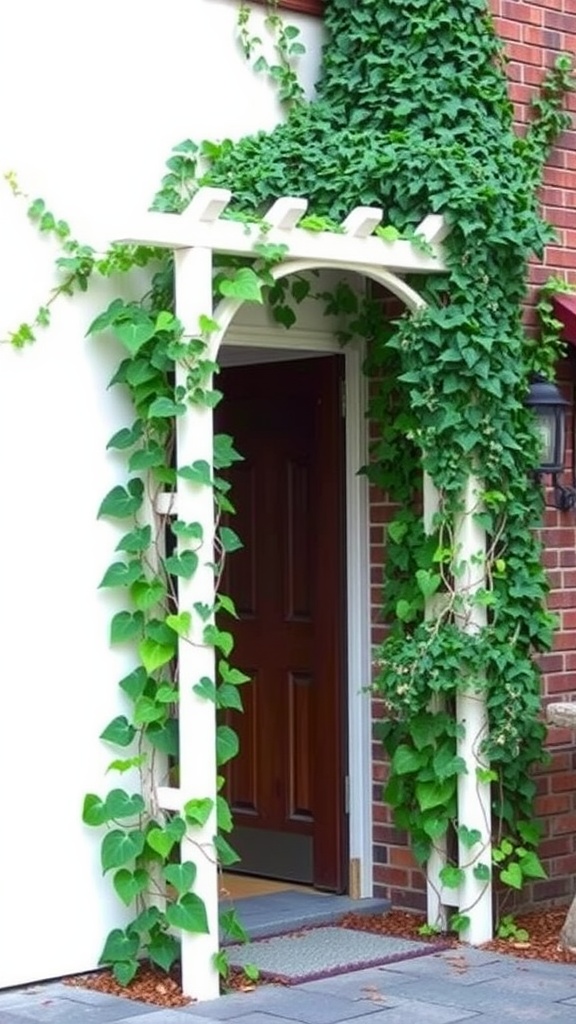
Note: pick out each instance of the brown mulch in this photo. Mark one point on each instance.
(152, 985)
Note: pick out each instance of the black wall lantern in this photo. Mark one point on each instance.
(550, 409)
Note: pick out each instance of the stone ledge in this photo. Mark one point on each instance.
(562, 714)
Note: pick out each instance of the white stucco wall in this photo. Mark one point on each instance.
(94, 97)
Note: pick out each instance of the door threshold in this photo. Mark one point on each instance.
(239, 886)
(289, 910)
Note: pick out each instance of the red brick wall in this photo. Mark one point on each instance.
(535, 33)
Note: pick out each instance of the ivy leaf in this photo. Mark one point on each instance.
(119, 946)
(245, 285)
(184, 565)
(129, 884)
(197, 811)
(469, 836)
(121, 574)
(126, 626)
(147, 593)
(451, 876)
(180, 623)
(226, 604)
(134, 334)
(229, 540)
(206, 689)
(407, 760)
(232, 926)
(188, 531)
(167, 694)
(126, 437)
(160, 841)
(119, 847)
(120, 805)
(164, 737)
(94, 810)
(228, 697)
(146, 710)
(223, 815)
(124, 971)
(147, 458)
(119, 731)
(134, 684)
(163, 949)
(232, 675)
(512, 876)
(481, 872)
(204, 611)
(198, 472)
(531, 865)
(428, 582)
(122, 502)
(154, 655)
(226, 854)
(227, 744)
(218, 638)
(135, 541)
(225, 454)
(165, 408)
(189, 913)
(181, 876)
(435, 794)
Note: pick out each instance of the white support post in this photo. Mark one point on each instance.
(435, 907)
(474, 808)
(197, 716)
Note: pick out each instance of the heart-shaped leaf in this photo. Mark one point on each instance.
(154, 655)
(180, 623)
(125, 626)
(120, 805)
(129, 884)
(119, 946)
(94, 810)
(163, 950)
(184, 565)
(119, 731)
(160, 841)
(134, 334)
(181, 876)
(119, 847)
(189, 914)
(197, 811)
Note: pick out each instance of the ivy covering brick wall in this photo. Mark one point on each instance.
(534, 33)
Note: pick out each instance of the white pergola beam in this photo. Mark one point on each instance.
(354, 246)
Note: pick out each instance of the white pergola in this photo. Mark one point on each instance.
(195, 236)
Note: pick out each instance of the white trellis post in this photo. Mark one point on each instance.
(196, 715)
(474, 808)
(436, 900)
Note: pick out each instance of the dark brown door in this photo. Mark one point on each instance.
(287, 785)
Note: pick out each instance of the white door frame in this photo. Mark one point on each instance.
(296, 344)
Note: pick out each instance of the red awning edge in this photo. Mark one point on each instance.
(564, 305)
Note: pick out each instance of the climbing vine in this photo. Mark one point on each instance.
(411, 114)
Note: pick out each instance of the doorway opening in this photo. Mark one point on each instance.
(287, 786)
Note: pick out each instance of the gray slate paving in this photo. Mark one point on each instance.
(441, 988)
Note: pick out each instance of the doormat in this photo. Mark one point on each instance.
(323, 952)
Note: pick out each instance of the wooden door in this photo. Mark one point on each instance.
(286, 787)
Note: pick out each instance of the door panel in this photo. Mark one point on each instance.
(287, 583)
